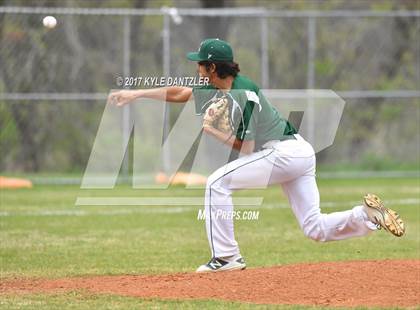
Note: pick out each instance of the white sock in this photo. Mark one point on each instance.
(361, 211)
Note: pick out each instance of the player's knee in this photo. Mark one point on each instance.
(212, 178)
(215, 184)
(314, 232)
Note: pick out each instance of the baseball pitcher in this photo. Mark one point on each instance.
(236, 113)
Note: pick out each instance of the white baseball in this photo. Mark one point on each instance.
(49, 21)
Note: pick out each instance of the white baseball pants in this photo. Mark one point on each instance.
(290, 163)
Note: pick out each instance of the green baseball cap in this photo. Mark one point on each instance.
(212, 49)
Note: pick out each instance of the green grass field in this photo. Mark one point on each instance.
(43, 234)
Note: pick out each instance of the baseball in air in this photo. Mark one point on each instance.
(49, 21)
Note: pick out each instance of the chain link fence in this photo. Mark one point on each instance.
(54, 82)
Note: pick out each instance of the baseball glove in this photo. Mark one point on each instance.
(217, 115)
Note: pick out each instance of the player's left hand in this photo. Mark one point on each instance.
(208, 128)
(222, 136)
(217, 115)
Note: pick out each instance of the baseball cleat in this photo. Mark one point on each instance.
(383, 217)
(218, 264)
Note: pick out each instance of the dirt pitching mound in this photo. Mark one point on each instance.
(384, 283)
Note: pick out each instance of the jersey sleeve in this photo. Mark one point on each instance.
(202, 94)
(248, 126)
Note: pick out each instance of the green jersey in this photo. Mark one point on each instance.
(252, 116)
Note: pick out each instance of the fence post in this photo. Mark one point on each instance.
(126, 109)
(310, 76)
(166, 72)
(264, 52)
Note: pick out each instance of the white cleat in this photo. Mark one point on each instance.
(383, 217)
(218, 264)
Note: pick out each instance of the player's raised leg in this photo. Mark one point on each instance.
(359, 221)
(304, 200)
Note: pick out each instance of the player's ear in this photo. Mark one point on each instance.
(212, 67)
